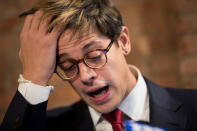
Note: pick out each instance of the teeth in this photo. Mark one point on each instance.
(100, 94)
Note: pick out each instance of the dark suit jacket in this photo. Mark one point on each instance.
(173, 109)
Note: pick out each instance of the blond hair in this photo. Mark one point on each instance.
(81, 14)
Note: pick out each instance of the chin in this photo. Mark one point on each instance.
(105, 108)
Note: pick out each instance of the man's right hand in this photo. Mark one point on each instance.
(38, 48)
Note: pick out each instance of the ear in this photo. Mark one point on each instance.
(124, 41)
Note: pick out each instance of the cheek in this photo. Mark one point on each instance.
(116, 66)
(116, 70)
(110, 74)
(116, 81)
(76, 86)
(79, 91)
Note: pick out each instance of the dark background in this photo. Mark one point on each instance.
(164, 45)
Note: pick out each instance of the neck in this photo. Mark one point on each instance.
(132, 77)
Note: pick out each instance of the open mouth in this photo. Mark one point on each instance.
(100, 92)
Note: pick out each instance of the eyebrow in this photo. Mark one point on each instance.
(85, 49)
(89, 45)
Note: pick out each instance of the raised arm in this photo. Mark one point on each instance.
(38, 56)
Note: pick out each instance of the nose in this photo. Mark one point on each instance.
(86, 74)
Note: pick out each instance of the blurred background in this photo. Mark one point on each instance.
(164, 45)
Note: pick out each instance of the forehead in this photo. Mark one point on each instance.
(68, 39)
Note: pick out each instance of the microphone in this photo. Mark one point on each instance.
(141, 126)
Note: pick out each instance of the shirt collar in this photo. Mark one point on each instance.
(130, 105)
(136, 104)
(95, 115)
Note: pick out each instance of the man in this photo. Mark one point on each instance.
(85, 42)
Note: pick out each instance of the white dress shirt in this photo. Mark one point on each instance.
(34, 93)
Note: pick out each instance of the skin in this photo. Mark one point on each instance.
(38, 51)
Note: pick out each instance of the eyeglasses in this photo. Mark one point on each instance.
(94, 60)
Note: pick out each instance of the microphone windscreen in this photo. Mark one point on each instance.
(141, 126)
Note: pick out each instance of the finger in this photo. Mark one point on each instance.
(44, 25)
(27, 23)
(36, 20)
(20, 55)
(57, 30)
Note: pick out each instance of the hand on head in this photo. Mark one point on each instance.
(38, 48)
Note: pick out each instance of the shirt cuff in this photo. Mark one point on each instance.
(34, 93)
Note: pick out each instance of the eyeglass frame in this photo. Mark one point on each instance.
(105, 51)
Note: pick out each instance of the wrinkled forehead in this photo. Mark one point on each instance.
(77, 45)
(69, 38)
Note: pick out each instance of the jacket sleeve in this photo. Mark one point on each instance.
(22, 116)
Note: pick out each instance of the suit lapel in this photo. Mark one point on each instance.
(165, 110)
(85, 121)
